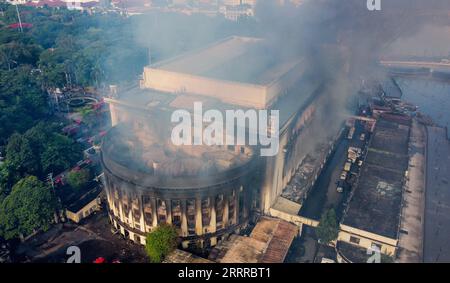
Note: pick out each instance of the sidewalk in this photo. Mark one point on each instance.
(412, 218)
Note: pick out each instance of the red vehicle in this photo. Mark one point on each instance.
(24, 25)
(100, 260)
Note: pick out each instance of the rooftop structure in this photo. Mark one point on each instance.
(375, 207)
(269, 242)
(82, 203)
(225, 70)
(180, 256)
(304, 179)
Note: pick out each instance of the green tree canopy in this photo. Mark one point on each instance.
(161, 242)
(56, 152)
(22, 102)
(78, 179)
(328, 228)
(21, 156)
(29, 207)
(39, 151)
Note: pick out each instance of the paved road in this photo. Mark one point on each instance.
(437, 203)
(411, 233)
(323, 195)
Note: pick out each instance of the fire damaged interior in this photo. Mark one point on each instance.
(207, 192)
(203, 191)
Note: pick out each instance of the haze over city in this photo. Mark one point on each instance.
(224, 131)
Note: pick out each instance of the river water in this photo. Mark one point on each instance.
(432, 98)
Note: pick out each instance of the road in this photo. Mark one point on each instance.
(412, 217)
(324, 196)
(437, 202)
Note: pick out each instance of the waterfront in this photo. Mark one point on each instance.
(432, 97)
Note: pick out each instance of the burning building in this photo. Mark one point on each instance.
(207, 192)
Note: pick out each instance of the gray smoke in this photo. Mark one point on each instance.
(341, 39)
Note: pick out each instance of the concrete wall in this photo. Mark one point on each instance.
(200, 215)
(295, 219)
(279, 169)
(286, 81)
(84, 212)
(246, 95)
(366, 239)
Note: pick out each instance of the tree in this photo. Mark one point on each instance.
(21, 156)
(39, 151)
(29, 207)
(59, 154)
(328, 228)
(161, 242)
(77, 179)
(7, 180)
(15, 53)
(22, 102)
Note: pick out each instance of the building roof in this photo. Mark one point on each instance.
(269, 242)
(376, 203)
(79, 199)
(233, 73)
(179, 256)
(289, 105)
(238, 59)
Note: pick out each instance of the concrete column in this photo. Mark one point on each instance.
(245, 208)
(130, 212)
(236, 207)
(198, 216)
(213, 241)
(225, 211)
(168, 211)
(108, 196)
(120, 206)
(154, 213)
(111, 203)
(113, 112)
(141, 209)
(212, 222)
(184, 225)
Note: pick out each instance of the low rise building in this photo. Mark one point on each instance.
(372, 218)
(82, 204)
(269, 242)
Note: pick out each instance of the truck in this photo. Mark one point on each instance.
(340, 186)
(347, 166)
(353, 153)
(351, 132)
(362, 137)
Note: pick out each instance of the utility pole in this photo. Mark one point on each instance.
(18, 16)
(50, 179)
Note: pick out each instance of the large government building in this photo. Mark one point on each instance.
(207, 192)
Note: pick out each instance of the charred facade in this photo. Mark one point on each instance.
(205, 191)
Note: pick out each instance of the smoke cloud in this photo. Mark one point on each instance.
(341, 40)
